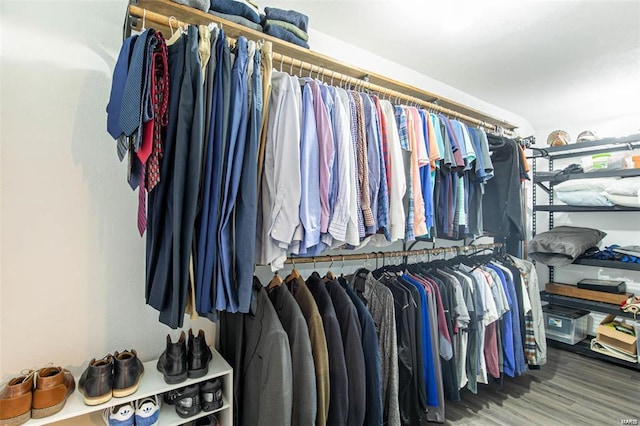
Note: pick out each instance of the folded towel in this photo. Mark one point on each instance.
(296, 18)
(285, 35)
(238, 20)
(238, 8)
(288, 26)
(203, 5)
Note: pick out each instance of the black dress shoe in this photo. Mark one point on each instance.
(96, 382)
(199, 355)
(211, 395)
(188, 404)
(127, 371)
(173, 361)
(210, 420)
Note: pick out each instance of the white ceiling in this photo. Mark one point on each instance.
(551, 62)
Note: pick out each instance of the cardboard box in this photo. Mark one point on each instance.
(609, 332)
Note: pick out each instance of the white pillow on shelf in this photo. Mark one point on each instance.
(596, 184)
(624, 200)
(584, 198)
(629, 187)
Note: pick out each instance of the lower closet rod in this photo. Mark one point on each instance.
(358, 83)
(387, 254)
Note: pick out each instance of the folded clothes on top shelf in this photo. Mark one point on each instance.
(298, 19)
(202, 5)
(289, 27)
(285, 35)
(238, 8)
(238, 20)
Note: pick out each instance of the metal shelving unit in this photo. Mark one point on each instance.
(572, 151)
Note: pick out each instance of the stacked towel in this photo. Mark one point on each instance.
(287, 25)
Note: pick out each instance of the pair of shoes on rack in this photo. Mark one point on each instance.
(177, 362)
(193, 399)
(112, 376)
(20, 400)
(143, 412)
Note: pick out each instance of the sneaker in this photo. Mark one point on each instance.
(189, 402)
(211, 395)
(148, 411)
(119, 415)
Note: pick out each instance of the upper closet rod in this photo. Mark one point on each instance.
(361, 84)
(278, 58)
(388, 254)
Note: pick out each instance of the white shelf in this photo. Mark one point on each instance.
(151, 383)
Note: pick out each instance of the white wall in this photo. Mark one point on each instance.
(72, 259)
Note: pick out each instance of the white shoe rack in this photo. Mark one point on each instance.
(77, 413)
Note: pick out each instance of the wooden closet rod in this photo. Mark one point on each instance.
(359, 83)
(389, 254)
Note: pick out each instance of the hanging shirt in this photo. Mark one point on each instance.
(281, 188)
(408, 202)
(363, 165)
(418, 157)
(354, 212)
(396, 172)
(310, 174)
(343, 165)
(435, 122)
(373, 158)
(383, 192)
(325, 144)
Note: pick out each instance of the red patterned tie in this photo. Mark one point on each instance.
(142, 202)
(160, 95)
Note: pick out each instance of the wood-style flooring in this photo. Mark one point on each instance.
(571, 389)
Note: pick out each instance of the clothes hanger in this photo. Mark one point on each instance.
(329, 275)
(174, 35)
(294, 274)
(276, 281)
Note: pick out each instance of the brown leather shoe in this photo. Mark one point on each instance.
(15, 400)
(53, 387)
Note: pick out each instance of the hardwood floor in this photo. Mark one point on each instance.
(570, 389)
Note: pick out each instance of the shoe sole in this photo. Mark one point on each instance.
(121, 393)
(195, 374)
(173, 380)
(38, 413)
(18, 420)
(97, 400)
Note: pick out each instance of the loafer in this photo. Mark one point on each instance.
(199, 355)
(16, 399)
(211, 395)
(96, 382)
(173, 361)
(148, 411)
(54, 385)
(119, 415)
(127, 371)
(189, 402)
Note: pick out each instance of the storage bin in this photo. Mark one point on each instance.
(565, 324)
